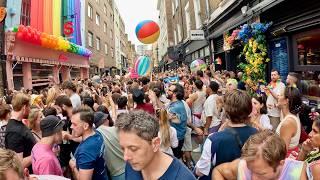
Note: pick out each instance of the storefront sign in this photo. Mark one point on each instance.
(3, 13)
(197, 35)
(68, 28)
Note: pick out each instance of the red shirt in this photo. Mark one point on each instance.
(146, 107)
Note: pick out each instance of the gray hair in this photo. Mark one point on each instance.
(139, 122)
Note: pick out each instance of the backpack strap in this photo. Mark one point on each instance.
(236, 136)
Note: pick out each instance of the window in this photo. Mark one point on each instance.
(197, 12)
(105, 9)
(308, 48)
(106, 48)
(177, 4)
(173, 10)
(90, 39)
(98, 1)
(90, 10)
(112, 54)
(98, 19)
(98, 43)
(111, 34)
(175, 37)
(179, 33)
(25, 12)
(188, 22)
(105, 27)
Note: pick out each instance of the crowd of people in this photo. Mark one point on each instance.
(149, 128)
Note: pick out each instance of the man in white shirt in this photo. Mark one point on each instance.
(273, 90)
(70, 89)
(210, 114)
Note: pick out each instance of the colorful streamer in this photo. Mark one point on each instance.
(56, 17)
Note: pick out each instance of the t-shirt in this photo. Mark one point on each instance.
(223, 147)
(19, 138)
(177, 108)
(113, 153)
(146, 107)
(89, 155)
(44, 161)
(273, 110)
(211, 110)
(176, 171)
(75, 100)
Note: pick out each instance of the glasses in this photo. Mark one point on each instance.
(58, 123)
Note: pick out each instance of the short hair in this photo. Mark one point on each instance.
(262, 99)
(179, 91)
(267, 145)
(115, 97)
(103, 109)
(294, 97)
(200, 73)
(139, 122)
(238, 106)
(86, 114)
(63, 100)
(122, 102)
(214, 86)
(69, 85)
(275, 70)
(9, 160)
(88, 101)
(19, 100)
(199, 84)
(4, 111)
(49, 111)
(33, 115)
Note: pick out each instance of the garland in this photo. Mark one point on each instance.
(254, 41)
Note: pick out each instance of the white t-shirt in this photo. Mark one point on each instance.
(75, 100)
(265, 122)
(210, 109)
(271, 101)
(173, 141)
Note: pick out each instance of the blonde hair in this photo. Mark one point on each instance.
(33, 116)
(19, 100)
(9, 160)
(267, 145)
(164, 127)
(53, 93)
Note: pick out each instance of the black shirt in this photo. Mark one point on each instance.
(19, 138)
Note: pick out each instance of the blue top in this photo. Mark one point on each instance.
(176, 171)
(177, 108)
(89, 155)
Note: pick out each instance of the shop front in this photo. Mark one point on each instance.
(294, 42)
(30, 66)
(197, 49)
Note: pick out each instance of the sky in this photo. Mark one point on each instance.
(134, 11)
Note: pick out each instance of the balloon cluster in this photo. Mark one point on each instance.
(32, 35)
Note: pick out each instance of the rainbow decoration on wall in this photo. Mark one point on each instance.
(142, 65)
(147, 32)
(32, 35)
(48, 16)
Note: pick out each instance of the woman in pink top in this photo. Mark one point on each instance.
(263, 157)
(44, 160)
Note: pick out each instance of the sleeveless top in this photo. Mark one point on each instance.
(291, 170)
(294, 142)
(197, 105)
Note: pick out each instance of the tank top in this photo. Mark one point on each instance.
(294, 142)
(291, 170)
(197, 105)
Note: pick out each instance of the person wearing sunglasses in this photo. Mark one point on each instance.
(44, 160)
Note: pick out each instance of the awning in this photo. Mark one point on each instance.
(45, 61)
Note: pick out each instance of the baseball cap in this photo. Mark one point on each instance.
(99, 118)
(50, 125)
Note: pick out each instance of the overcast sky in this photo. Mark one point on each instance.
(134, 11)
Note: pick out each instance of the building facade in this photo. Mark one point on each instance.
(99, 30)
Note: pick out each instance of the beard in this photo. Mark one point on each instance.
(169, 96)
